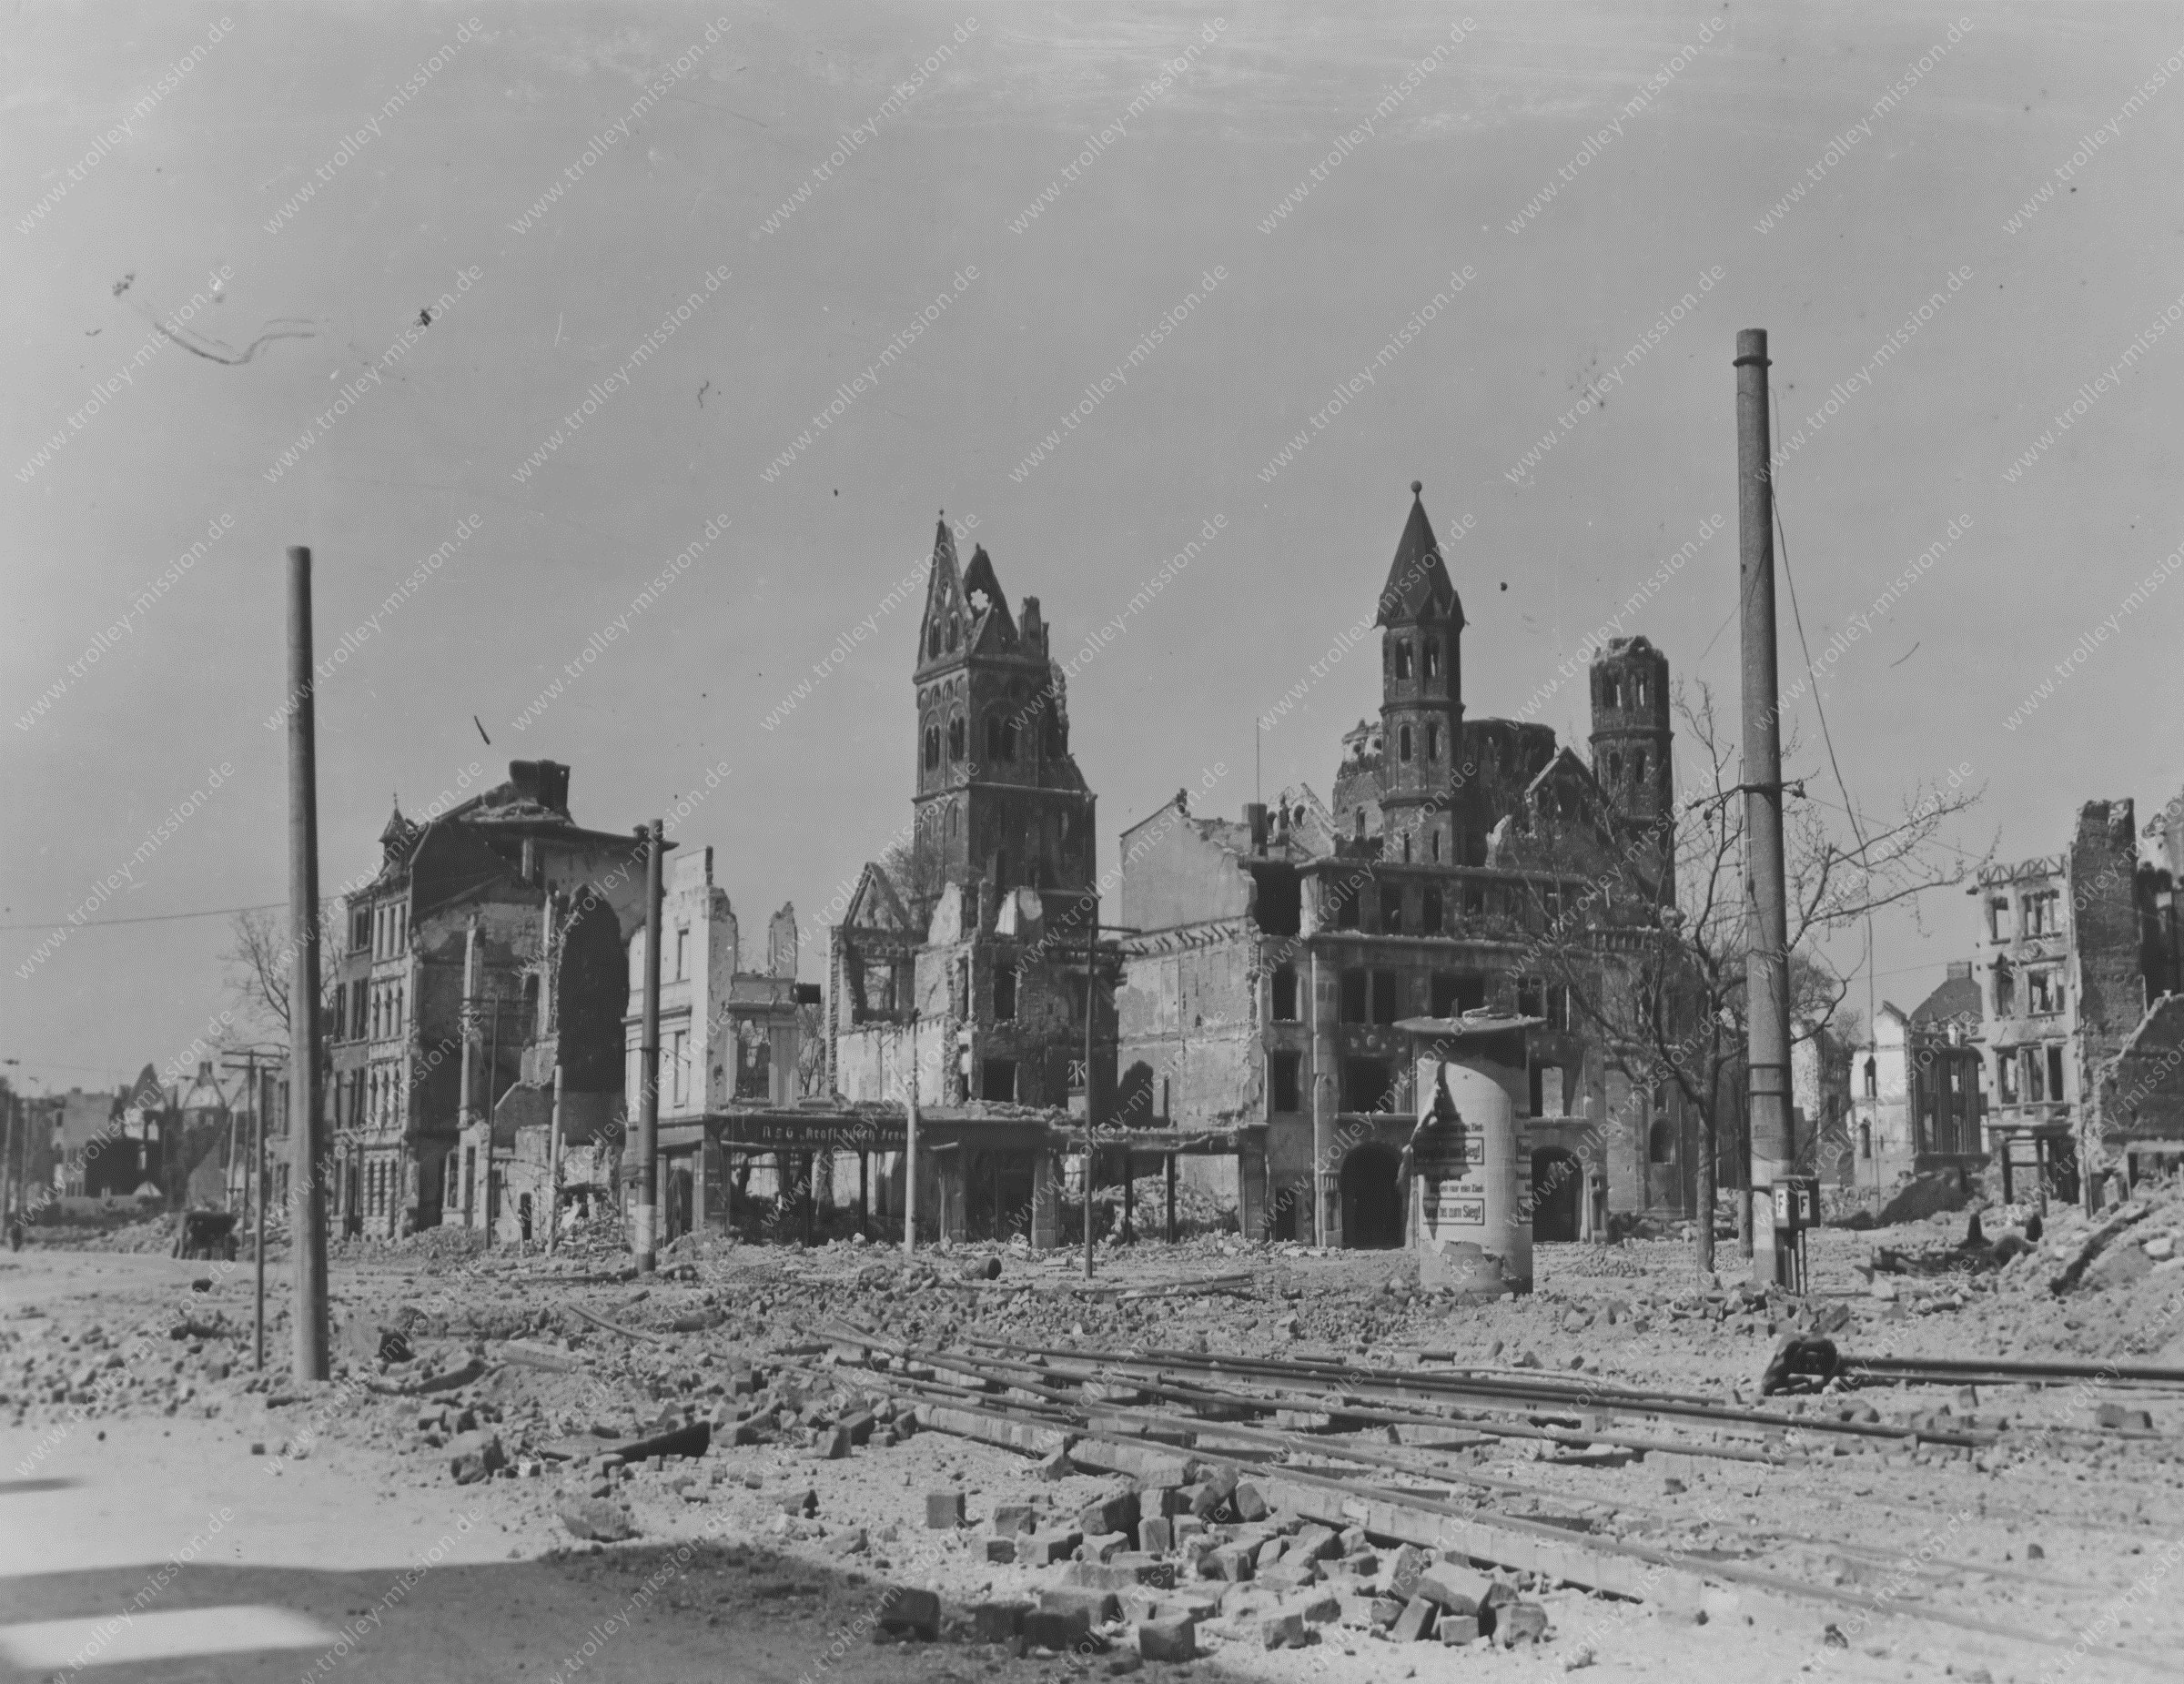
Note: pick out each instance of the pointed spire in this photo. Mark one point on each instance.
(979, 577)
(1418, 585)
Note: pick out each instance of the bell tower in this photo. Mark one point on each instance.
(1630, 745)
(1423, 820)
(999, 798)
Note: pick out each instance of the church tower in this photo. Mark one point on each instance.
(999, 798)
(1423, 821)
(1631, 740)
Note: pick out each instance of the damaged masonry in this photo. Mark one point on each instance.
(1393, 1339)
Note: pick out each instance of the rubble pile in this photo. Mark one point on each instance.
(1214, 1448)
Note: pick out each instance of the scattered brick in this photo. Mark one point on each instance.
(1045, 1549)
(1454, 1589)
(944, 1509)
(1175, 1639)
(1232, 1562)
(1415, 1622)
(1117, 1512)
(998, 1622)
(1094, 1602)
(915, 1612)
(1062, 1632)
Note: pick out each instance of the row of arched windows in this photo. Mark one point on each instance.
(383, 1097)
(1429, 657)
(1403, 743)
(1001, 740)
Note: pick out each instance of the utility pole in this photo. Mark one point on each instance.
(910, 1148)
(465, 1110)
(646, 1229)
(7, 1152)
(1091, 970)
(260, 1089)
(261, 1092)
(1766, 910)
(553, 1170)
(307, 1219)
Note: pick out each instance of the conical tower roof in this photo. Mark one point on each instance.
(1418, 587)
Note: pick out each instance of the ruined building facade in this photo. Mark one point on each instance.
(2074, 949)
(960, 962)
(500, 923)
(1272, 961)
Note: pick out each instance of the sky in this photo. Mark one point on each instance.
(348, 276)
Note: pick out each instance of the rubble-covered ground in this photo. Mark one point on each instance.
(500, 1386)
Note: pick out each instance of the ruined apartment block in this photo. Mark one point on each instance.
(500, 922)
(2073, 950)
(1271, 962)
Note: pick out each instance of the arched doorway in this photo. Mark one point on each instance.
(1558, 1193)
(1372, 1206)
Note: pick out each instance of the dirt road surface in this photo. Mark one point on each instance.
(165, 1513)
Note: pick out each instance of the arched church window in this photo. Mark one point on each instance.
(1402, 659)
(956, 738)
(954, 632)
(1432, 651)
(933, 642)
(1403, 743)
(931, 747)
(1432, 743)
(1615, 769)
(1638, 766)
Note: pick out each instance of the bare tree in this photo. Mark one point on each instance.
(261, 959)
(1663, 986)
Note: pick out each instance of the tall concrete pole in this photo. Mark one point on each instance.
(466, 1109)
(645, 1230)
(1091, 983)
(1767, 909)
(261, 1090)
(307, 1197)
(910, 1147)
(553, 1169)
